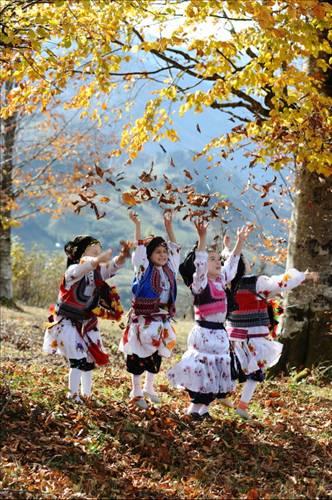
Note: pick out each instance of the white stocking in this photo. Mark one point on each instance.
(86, 383)
(194, 408)
(248, 391)
(148, 385)
(136, 386)
(74, 381)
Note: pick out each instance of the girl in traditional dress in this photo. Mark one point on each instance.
(205, 368)
(84, 295)
(149, 335)
(248, 324)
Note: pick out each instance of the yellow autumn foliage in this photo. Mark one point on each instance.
(245, 58)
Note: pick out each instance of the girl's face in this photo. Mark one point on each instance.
(92, 250)
(214, 264)
(159, 256)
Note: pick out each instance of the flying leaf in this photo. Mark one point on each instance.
(129, 198)
(188, 174)
(99, 171)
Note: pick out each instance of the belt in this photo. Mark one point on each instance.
(211, 325)
(256, 335)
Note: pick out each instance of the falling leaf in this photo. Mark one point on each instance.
(188, 174)
(99, 171)
(129, 198)
(147, 176)
(166, 199)
(199, 200)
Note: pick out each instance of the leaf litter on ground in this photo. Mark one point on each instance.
(107, 448)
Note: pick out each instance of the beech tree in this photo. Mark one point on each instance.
(44, 161)
(263, 63)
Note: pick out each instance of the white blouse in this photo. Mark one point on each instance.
(75, 273)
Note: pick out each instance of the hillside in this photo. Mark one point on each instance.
(229, 180)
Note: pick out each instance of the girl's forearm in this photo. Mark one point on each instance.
(138, 232)
(201, 244)
(171, 235)
(237, 250)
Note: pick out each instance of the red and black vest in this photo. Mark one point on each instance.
(73, 303)
(251, 309)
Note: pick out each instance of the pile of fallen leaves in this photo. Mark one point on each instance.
(52, 448)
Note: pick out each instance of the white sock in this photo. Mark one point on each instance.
(86, 383)
(204, 409)
(248, 391)
(74, 381)
(194, 408)
(148, 385)
(136, 386)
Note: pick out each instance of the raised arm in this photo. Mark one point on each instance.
(168, 223)
(242, 235)
(201, 228)
(110, 268)
(200, 278)
(137, 221)
(76, 272)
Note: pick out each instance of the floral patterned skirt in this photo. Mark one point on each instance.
(145, 336)
(206, 365)
(64, 339)
(257, 353)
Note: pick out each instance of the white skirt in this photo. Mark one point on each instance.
(257, 353)
(64, 339)
(144, 337)
(206, 365)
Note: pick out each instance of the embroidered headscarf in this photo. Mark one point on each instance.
(75, 248)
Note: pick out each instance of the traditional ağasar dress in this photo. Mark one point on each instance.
(74, 317)
(248, 326)
(205, 367)
(149, 335)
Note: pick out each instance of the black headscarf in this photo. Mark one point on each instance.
(75, 249)
(158, 241)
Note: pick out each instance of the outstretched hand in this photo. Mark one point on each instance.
(311, 275)
(168, 223)
(243, 232)
(201, 227)
(168, 218)
(133, 216)
(126, 246)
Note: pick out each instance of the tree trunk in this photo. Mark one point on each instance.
(307, 326)
(8, 131)
(307, 334)
(6, 289)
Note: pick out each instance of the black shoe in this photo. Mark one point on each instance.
(195, 416)
(207, 416)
